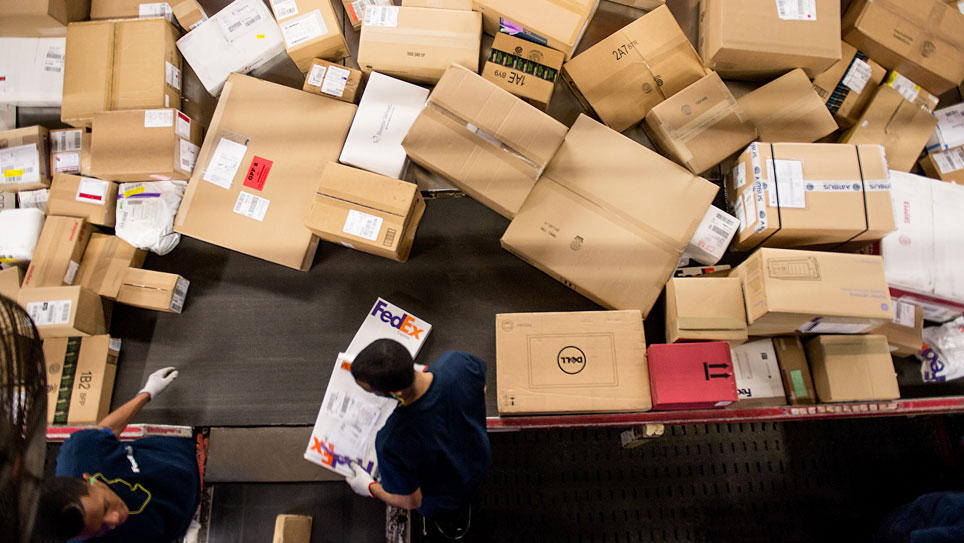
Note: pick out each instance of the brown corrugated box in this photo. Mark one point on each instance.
(70, 151)
(188, 13)
(641, 4)
(292, 529)
(852, 368)
(120, 9)
(419, 44)
(64, 311)
(311, 31)
(14, 143)
(848, 85)
(559, 24)
(795, 371)
(487, 142)
(59, 250)
(705, 309)
(700, 125)
(788, 109)
(905, 333)
(609, 218)
(623, 76)
(91, 199)
(40, 18)
(285, 168)
(80, 378)
(366, 211)
(441, 4)
(105, 263)
(144, 145)
(324, 81)
(10, 279)
(355, 10)
(748, 39)
(155, 290)
(945, 165)
(523, 68)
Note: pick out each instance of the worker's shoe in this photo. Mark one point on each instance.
(454, 527)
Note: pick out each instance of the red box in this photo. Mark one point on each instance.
(691, 376)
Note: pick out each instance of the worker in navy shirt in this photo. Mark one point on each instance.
(433, 452)
(111, 491)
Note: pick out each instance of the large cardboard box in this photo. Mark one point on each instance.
(758, 380)
(189, 13)
(848, 85)
(810, 194)
(687, 376)
(556, 24)
(70, 151)
(311, 30)
(945, 165)
(155, 290)
(40, 18)
(10, 280)
(366, 211)
(525, 69)
(418, 44)
(64, 311)
(623, 76)
(105, 263)
(59, 250)
(788, 292)
(795, 370)
(923, 40)
(609, 218)
(852, 368)
(905, 333)
(788, 109)
(483, 140)
(144, 145)
(950, 128)
(129, 9)
(355, 9)
(80, 378)
(333, 80)
(292, 529)
(90, 199)
(114, 65)
(582, 362)
(705, 309)
(441, 4)
(24, 159)
(32, 71)
(700, 125)
(251, 189)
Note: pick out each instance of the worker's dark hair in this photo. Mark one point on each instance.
(60, 515)
(385, 365)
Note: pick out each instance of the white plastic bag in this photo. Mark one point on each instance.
(145, 214)
(19, 232)
(942, 358)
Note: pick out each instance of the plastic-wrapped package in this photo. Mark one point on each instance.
(145, 214)
(942, 358)
(19, 232)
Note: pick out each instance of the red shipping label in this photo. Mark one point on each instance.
(257, 173)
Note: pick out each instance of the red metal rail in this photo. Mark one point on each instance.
(59, 434)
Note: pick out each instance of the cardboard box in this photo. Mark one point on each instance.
(10, 279)
(113, 65)
(523, 68)
(90, 199)
(905, 333)
(819, 194)
(712, 237)
(705, 309)
(105, 263)
(292, 529)
(700, 125)
(253, 197)
(310, 30)
(788, 291)
(59, 250)
(366, 211)
(788, 109)
(923, 40)
(386, 112)
(483, 140)
(129, 9)
(945, 165)
(32, 70)
(581, 362)
(795, 371)
(144, 145)
(848, 85)
(70, 151)
(609, 218)
(641, 4)
(24, 159)
(623, 76)
(155, 290)
(686, 376)
(418, 44)
(559, 25)
(40, 18)
(355, 9)
(189, 14)
(758, 380)
(440, 4)
(80, 378)
(950, 128)
(64, 311)
(852, 368)
(241, 37)
(333, 80)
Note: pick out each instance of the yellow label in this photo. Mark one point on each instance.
(13, 173)
(132, 192)
(260, 36)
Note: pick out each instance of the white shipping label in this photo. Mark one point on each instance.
(180, 293)
(335, 81)
(36, 199)
(797, 10)
(71, 272)
(158, 118)
(305, 28)
(224, 163)
(857, 76)
(739, 175)
(317, 75)
(284, 8)
(66, 140)
(156, 9)
(183, 126)
(950, 126)
(115, 345)
(188, 155)
(904, 314)
(92, 191)
(791, 187)
(358, 7)
(949, 161)
(362, 225)
(50, 313)
(67, 163)
(381, 16)
(20, 164)
(172, 75)
(54, 59)
(251, 206)
(820, 325)
(907, 88)
(238, 18)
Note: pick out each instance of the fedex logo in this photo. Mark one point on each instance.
(329, 458)
(404, 322)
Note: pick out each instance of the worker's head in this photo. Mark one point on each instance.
(72, 508)
(385, 367)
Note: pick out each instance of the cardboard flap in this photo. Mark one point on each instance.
(367, 189)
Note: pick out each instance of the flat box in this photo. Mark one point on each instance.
(581, 362)
(387, 110)
(189, 14)
(905, 333)
(788, 291)
(40, 18)
(311, 30)
(105, 263)
(333, 80)
(700, 125)
(114, 65)
(686, 376)
(609, 218)
(848, 85)
(763, 39)
(758, 380)
(795, 371)
(33, 71)
(24, 159)
(70, 151)
(852, 368)
(366, 211)
(355, 9)
(144, 145)
(10, 279)
(264, 216)
(559, 24)
(712, 237)
(788, 110)
(705, 309)
(523, 68)
(59, 250)
(129, 9)
(64, 311)
(441, 4)
(945, 165)
(923, 40)
(155, 290)
(292, 529)
(90, 199)
(80, 378)
(483, 140)
(820, 194)
(623, 76)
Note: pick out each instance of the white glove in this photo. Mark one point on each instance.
(159, 380)
(360, 481)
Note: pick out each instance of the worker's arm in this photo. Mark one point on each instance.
(411, 501)
(117, 420)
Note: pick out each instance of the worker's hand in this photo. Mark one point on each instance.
(360, 481)
(159, 380)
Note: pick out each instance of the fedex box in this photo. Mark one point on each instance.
(758, 379)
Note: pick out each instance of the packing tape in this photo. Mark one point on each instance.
(427, 37)
(702, 122)
(930, 22)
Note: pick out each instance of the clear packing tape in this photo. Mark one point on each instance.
(930, 21)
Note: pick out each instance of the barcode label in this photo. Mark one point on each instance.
(317, 75)
(904, 314)
(381, 16)
(722, 232)
(50, 313)
(157, 9)
(36, 199)
(303, 29)
(188, 155)
(66, 140)
(797, 10)
(284, 8)
(907, 88)
(54, 59)
(858, 75)
(358, 7)
(362, 225)
(335, 81)
(949, 161)
(224, 163)
(158, 118)
(20, 164)
(66, 163)
(238, 18)
(180, 293)
(172, 75)
(251, 206)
